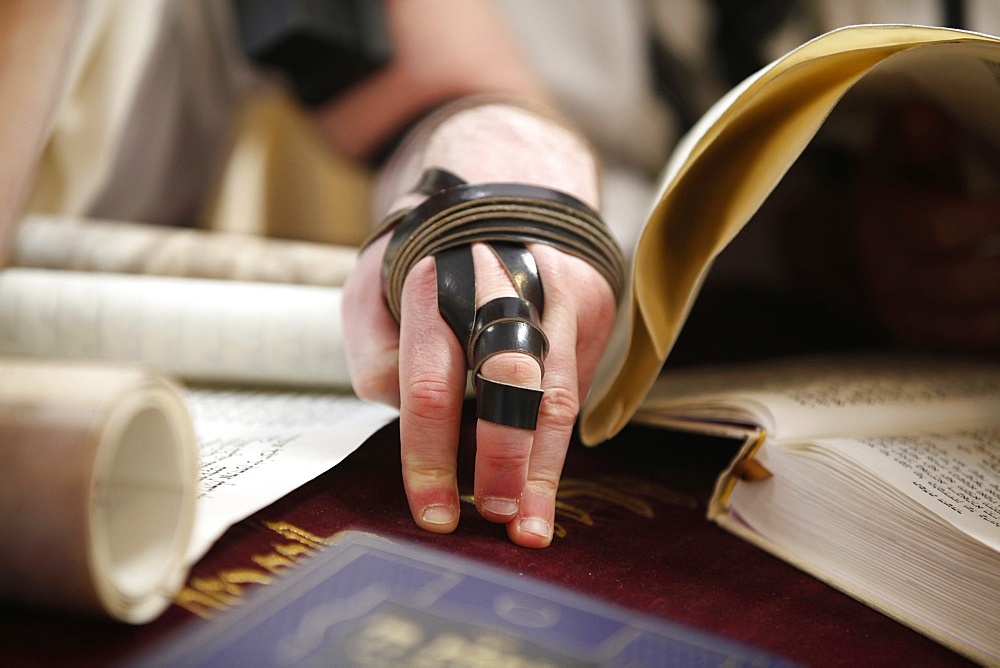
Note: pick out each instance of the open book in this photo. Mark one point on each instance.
(731, 161)
(880, 476)
(881, 479)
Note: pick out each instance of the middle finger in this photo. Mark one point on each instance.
(502, 452)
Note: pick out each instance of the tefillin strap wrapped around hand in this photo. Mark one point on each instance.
(505, 217)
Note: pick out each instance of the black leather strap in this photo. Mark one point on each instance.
(456, 290)
(522, 270)
(435, 180)
(504, 216)
(507, 324)
(507, 404)
(499, 212)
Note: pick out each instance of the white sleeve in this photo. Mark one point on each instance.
(144, 118)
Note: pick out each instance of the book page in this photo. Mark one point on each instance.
(904, 524)
(819, 397)
(256, 446)
(198, 329)
(955, 476)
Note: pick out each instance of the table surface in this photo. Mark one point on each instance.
(631, 531)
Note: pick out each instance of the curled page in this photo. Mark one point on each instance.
(98, 481)
(735, 156)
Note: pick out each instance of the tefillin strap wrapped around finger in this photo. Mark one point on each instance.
(505, 217)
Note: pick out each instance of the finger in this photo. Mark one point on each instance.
(535, 518)
(432, 376)
(580, 309)
(371, 335)
(502, 451)
(582, 302)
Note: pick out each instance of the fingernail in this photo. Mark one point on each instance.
(535, 525)
(438, 514)
(499, 505)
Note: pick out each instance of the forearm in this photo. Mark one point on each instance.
(442, 50)
(483, 139)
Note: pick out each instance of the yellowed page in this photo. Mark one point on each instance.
(721, 174)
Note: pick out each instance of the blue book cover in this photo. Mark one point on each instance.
(367, 601)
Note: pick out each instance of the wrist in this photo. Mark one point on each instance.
(491, 139)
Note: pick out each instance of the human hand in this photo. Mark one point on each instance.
(421, 367)
(929, 247)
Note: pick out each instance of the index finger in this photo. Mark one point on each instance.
(432, 375)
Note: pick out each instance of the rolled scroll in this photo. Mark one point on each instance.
(98, 480)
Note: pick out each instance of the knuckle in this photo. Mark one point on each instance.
(544, 485)
(419, 473)
(576, 282)
(428, 397)
(601, 312)
(503, 459)
(375, 374)
(559, 408)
